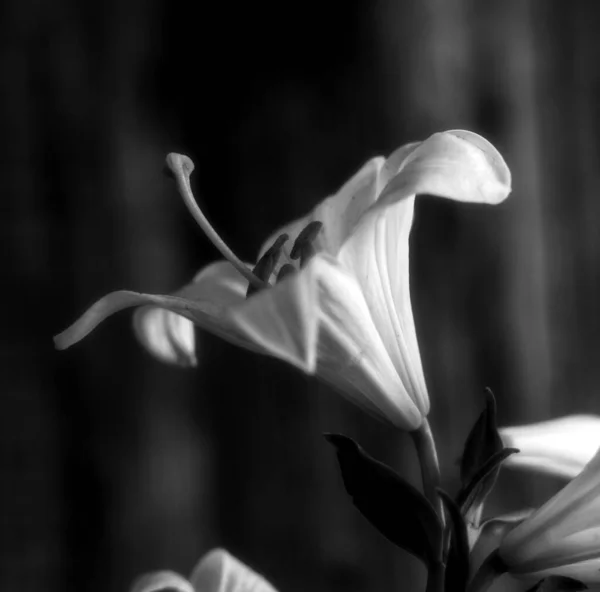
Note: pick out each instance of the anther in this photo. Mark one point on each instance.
(285, 271)
(304, 248)
(266, 264)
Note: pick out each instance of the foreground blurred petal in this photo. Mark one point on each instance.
(219, 571)
(560, 447)
(563, 536)
(352, 355)
(162, 580)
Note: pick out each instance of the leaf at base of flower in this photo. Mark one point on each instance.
(473, 495)
(482, 442)
(393, 506)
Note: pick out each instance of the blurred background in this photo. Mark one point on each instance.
(112, 464)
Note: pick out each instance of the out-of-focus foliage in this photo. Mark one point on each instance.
(113, 465)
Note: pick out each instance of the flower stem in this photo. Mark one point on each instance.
(430, 468)
(430, 474)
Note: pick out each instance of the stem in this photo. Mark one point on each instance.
(493, 567)
(430, 475)
(182, 168)
(430, 468)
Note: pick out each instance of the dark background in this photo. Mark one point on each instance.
(112, 464)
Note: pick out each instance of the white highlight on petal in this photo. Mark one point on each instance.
(162, 580)
(218, 571)
(563, 536)
(560, 447)
(166, 335)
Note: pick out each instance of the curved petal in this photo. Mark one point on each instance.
(560, 447)
(458, 165)
(166, 335)
(218, 571)
(205, 302)
(352, 355)
(339, 213)
(563, 532)
(377, 255)
(162, 581)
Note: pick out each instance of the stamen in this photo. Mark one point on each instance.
(285, 271)
(182, 168)
(303, 247)
(266, 264)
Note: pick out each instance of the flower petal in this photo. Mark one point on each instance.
(352, 355)
(162, 581)
(166, 335)
(560, 447)
(218, 571)
(458, 165)
(169, 336)
(565, 531)
(205, 302)
(339, 213)
(283, 320)
(377, 255)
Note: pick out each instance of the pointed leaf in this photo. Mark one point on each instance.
(482, 442)
(457, 561)
(398, 510)
(482, 482)
(557, 584)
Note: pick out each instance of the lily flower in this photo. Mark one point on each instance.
(560, 447)
(217, 571)
(562, 538)
(330, 292)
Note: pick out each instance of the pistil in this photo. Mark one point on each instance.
(182, 167)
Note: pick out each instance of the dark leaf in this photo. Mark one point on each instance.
(482, 442)
(457, 560)
(557, 584)
(392, 505)
(482, 482)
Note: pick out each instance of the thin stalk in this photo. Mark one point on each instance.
(430, 474)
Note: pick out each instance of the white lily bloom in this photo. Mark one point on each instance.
(217, 571)
(563, 536)
(560, 447)
(345, 315)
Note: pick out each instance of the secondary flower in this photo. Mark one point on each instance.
(563, 536)
(330, 292)
(559, 447)
(217, 571)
